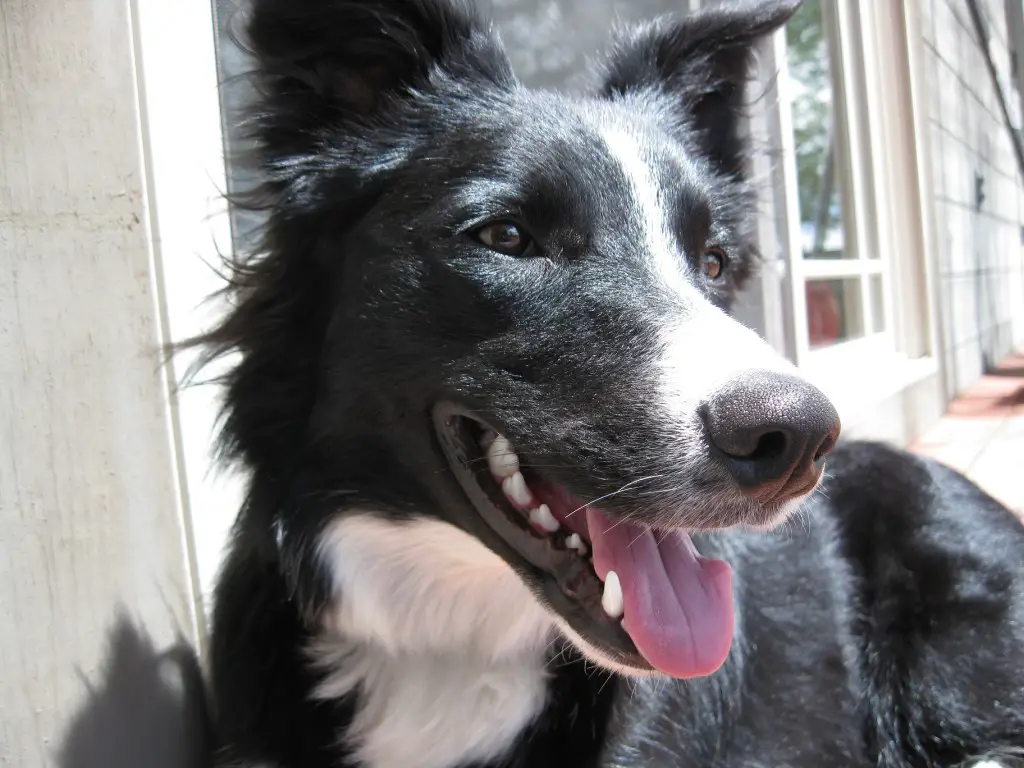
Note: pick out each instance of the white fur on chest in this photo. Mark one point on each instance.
(432, 711)
(441, 642)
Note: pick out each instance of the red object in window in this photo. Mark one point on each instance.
(824, 323)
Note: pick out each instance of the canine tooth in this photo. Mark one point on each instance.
(542, 518)
(501, 458)
(575, 542)
(515, 489)
(611, 600)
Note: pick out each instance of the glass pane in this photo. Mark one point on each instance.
(877, 298)
(833, 311)
(820, 168)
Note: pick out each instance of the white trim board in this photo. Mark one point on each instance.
(185, 164)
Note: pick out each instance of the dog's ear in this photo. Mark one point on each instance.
(702, 63)
(321, 64)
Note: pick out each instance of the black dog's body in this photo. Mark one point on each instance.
(453, 263)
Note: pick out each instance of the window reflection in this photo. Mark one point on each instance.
(819, 171)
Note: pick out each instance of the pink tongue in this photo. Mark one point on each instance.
(677, 604)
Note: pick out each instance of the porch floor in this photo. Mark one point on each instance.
(982, 435)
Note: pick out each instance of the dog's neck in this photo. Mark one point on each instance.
(439, 641)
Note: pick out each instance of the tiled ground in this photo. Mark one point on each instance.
(983, 433)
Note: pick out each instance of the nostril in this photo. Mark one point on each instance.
(824, 449)
(827, 444)
(770, 446)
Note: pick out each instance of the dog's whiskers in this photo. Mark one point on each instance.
(624, 488)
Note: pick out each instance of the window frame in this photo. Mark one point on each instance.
(185, 184)
(853, 146)
(859, 372)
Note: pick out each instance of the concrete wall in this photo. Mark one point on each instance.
(980, 269)
(96, 619)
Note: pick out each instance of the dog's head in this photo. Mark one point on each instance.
(507, 310)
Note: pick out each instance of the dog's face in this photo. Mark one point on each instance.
(507, 310)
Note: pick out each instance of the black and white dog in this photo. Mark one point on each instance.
(511, 460)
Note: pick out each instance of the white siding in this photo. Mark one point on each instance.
(980, 265)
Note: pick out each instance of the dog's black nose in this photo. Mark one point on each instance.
(773, 432)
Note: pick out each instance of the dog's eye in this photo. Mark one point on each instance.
(712, 263)
(504, 237)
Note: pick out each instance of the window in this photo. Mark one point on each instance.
(847, 200)
(836, 266)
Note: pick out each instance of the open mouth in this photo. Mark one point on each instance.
(642, 597)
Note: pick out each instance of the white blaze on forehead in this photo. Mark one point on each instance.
(647, 206)
(702, 348)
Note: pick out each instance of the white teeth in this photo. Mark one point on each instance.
(515, 489)
(542, 518)
(611, 600)
(501, 458)
(575, 542)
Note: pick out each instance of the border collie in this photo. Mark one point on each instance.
(511, 461)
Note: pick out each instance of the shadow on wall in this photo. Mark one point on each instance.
(147, 711)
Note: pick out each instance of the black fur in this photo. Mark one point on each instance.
(890, 633)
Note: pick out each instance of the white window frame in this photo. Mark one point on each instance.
(852, 139)
(879, 113)
(183, 146)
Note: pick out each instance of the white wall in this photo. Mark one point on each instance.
(95, 575)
